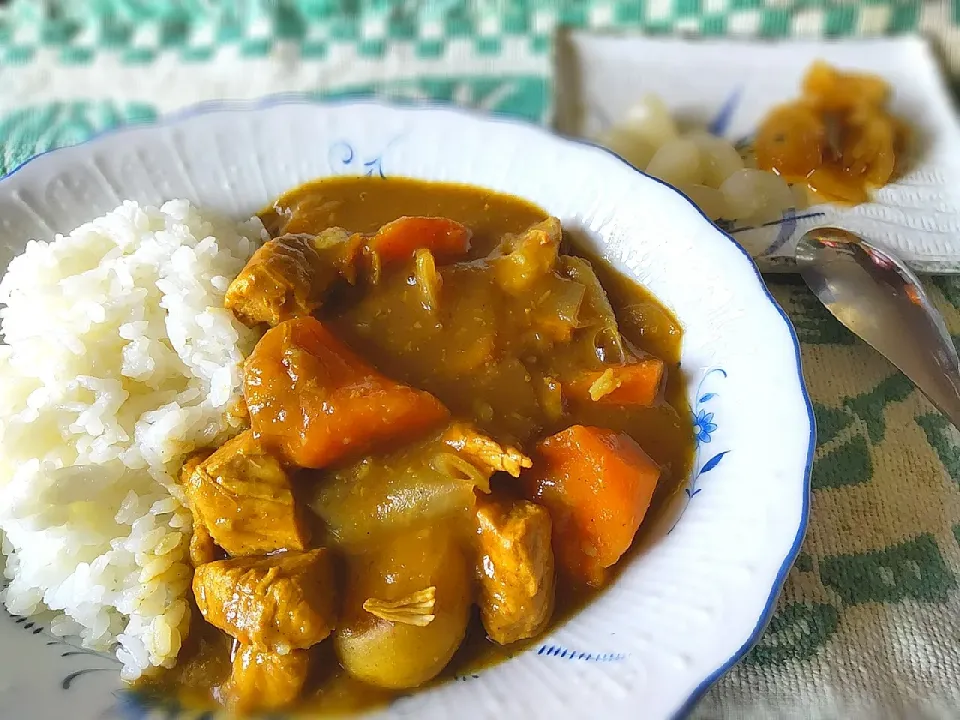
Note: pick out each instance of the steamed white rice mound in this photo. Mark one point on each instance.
(119, 360)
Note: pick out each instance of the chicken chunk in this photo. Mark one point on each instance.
(202, 549)
(280, 602)
(242, 496)
(485, 451)
(238, 414)
(262, 680)
(524, 259)
(516, 569)
(290, 275)
(193, 461)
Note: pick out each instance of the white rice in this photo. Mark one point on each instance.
(119, 360)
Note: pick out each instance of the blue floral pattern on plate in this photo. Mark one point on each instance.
(568, 654)
(704, 426)
(345, 160)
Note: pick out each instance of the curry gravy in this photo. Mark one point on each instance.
(381, 323)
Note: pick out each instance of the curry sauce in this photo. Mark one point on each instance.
(516, 358)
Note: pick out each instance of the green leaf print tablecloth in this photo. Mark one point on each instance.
(868, 625)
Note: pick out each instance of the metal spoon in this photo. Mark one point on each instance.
(877, 297)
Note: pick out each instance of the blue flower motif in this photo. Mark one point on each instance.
(703, 425)
(344, 159)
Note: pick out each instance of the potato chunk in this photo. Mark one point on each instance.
(414, 577)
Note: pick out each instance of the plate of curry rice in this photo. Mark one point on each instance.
(314, 410)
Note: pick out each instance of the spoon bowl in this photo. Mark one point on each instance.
(879, 298)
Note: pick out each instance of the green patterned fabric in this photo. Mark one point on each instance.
(137, 31)
(867, 625)
(869, 622)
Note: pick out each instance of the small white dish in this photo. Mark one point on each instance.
(692, 603)
(730, 85)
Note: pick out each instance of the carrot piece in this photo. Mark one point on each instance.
(316, 401)
(398, 240)
(597, 485)
(634, 384)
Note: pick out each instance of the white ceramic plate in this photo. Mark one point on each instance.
(698, 596)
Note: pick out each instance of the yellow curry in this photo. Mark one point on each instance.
(452, 429)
